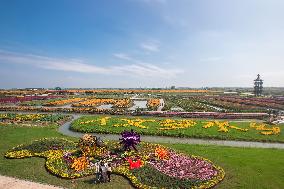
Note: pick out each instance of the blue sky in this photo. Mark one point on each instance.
(141, 43)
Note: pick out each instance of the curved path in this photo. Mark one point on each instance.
(14, 183)
(65, 130)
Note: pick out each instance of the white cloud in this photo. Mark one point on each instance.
(122, 56)
(152, 46)
(138, 68)
(145, 69)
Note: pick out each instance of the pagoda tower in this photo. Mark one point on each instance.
(258, 86)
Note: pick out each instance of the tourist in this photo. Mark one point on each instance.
(103, 171)
(97, 172)
(109, 170)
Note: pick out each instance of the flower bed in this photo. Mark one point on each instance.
(241, 104)
(61, 109)
(222, 103)
(40, 102)
(32, 119)
(153, 103)
(188, 104)
(61, 156)
(117, 103)
(224, 130)
(213, 115)
(63, 102)
(25, 98)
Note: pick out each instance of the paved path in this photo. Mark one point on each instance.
(13, 183)
(64, 129)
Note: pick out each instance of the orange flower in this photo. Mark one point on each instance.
(80, 163)
(161, 153)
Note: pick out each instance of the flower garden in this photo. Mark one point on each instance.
(32, 119)
(223, 103)
(44, 156)
(187, 103)
(251, 131)
(152, 166)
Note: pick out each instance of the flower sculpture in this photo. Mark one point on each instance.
(130, 139)
(134, 164)
(87, 144)
(265, 130)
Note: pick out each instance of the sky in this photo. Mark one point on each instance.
(141, 43)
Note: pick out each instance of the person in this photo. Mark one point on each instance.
(109, 170)
(103, 171)
(97, 172)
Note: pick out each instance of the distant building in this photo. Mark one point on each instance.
(247, 94)
(258, 86)
(230, 92)
(33, 89)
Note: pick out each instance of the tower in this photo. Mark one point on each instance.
(258, 86)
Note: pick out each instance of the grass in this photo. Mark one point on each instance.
(196, 131)
(244, 167)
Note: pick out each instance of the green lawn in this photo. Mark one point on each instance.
(196, 131)
(244, 167)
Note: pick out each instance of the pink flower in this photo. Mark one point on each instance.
(184, 167)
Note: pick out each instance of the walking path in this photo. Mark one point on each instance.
(65, 129)
(13, 183)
